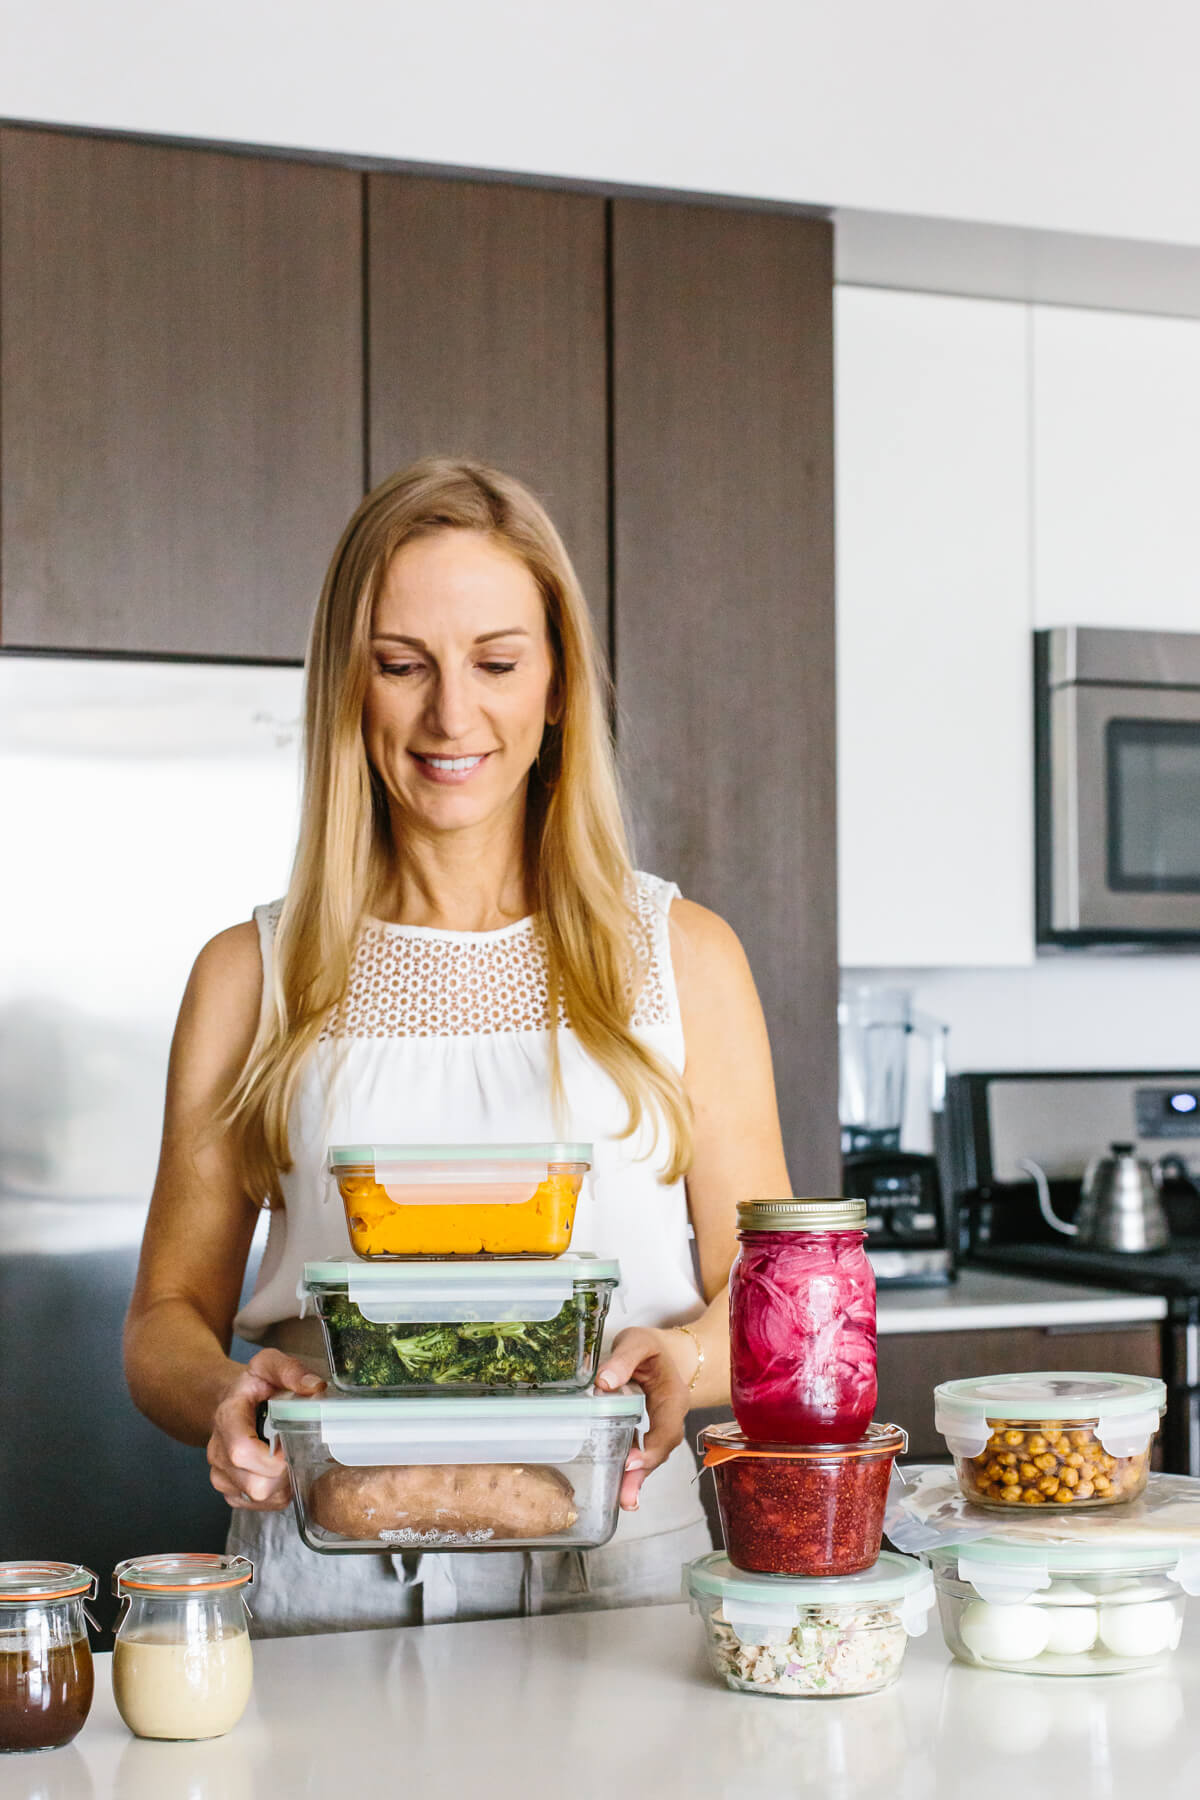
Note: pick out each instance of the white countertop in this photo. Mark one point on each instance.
(983, 1297)
(621, 1705)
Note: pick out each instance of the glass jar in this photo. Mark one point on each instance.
(802, 1322)
(181, 1665)
(45, 1657)
(802, 1510)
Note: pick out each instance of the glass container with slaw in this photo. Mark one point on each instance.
(448, 1200)
(802, 1322)
(810, 1639)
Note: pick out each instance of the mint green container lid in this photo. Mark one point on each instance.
(356, 1155)
(503, 1289)
(752, 1603)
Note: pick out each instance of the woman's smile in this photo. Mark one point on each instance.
(448, 771)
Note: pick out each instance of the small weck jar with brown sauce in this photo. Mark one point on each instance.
(45, 1656)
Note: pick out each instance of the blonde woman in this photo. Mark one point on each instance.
(464, 954)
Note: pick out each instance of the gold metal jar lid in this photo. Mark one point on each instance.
(801, 1215)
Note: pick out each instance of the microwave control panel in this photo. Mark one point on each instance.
(1167, 1112)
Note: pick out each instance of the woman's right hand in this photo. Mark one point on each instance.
(241, 1467)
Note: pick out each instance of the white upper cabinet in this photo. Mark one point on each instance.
(1116, 469)
(934, 612)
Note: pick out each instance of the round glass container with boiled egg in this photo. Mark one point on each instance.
(1063, 1608)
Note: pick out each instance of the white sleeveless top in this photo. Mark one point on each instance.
(443, 1037)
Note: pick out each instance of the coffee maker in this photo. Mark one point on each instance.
(892, 1097)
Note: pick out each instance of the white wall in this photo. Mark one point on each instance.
(1076, 116)
(1074, 1011)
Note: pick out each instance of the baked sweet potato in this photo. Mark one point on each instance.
(479, 1500)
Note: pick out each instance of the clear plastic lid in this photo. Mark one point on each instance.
(723, 1442)
(180, 1574)
(453, 1293)
(1125, 1409)
(777, 1601)
(342, 1156)
(367, 1431)
(928, 1515)
(27, 1583)
(1003, 1571)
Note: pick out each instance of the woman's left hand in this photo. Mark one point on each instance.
(644, 1357)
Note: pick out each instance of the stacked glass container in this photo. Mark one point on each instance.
(463, 1338)
(1089, 1572)
(803, 1602)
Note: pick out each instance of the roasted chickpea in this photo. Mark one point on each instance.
(1010, 1478)
(1047, 1463)
(1069, 1477)
(1084, 1491)
(1074, 1460)
(1008, 1460)
(1102, 1484)
(1031, 1497)
(1027, 1472)
(1064, 1496)
(1049, 1484)
(1011, 1496)
(1081, 1439)
(1014, 1439)
(1036, 1445)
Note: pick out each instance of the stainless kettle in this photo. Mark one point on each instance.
(1119, 1208)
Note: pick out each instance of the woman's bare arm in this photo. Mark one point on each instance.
(197, 1238)
(737, 1155)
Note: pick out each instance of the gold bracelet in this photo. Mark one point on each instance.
(687, 1330)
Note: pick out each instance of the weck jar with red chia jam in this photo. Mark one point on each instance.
(815, 1509)
(802, 1322)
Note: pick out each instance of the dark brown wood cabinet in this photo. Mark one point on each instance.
(724, 605)
(486, 339)
(912, 1363)
(181, 369)
(206, 357)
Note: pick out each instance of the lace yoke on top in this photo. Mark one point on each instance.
(409, 982)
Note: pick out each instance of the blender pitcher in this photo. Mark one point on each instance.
(876, 1027)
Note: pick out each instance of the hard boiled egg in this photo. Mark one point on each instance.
(1072, 1629)
(1144, 1628)
(1004, 1633)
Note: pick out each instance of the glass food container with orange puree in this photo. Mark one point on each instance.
(459, 1199)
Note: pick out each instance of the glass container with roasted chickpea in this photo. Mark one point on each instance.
(1058, 1439)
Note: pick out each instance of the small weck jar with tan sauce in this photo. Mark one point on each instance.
(182, 1666)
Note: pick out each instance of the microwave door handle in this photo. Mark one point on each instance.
(1038, 1175)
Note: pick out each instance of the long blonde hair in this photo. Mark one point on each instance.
(577, 864)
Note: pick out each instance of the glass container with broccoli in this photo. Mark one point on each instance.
(467, 1328)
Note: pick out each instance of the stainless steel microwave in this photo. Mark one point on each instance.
(1117, 721)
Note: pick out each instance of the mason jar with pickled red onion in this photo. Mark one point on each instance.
(802, 1322)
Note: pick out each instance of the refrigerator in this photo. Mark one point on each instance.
(144, 806)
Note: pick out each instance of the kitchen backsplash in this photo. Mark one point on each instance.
(1077, 1011)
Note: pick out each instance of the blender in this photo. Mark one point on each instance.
(891, 1102)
